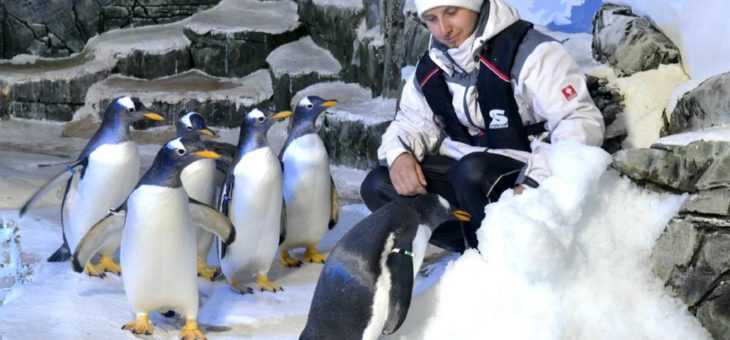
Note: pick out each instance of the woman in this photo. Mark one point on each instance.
(479, 114)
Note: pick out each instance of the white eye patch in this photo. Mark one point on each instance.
(305, 102)
(176, 144)
(126, 102)
(444, 203)
(186, 119)
(256, 114)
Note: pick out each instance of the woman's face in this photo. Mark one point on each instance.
(450, 25)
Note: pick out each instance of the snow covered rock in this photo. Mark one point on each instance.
(222, 101)
(352, 129)
(610, 102)
(629, 43)
(12, 270)
(333, 24)
(705, 106)
(50, 89)
(60, 28)
(297, 65)
(234, 38)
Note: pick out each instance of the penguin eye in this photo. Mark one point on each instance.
(190, 128)
(310, 106)
(261, 119)
(131, 109)
(181, 152)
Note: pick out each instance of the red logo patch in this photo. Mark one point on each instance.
(569, 92)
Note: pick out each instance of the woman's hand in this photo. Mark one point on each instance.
(407, 176)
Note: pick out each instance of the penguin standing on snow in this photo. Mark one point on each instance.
(256, 206)
(365, 287)
(198, 179)
(309, 192)
(158, 242)
(101, 179)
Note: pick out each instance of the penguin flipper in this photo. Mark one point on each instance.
(282, 228)
(64, 175)
(334, 205)
(212, 220)
(108, 230)
(400, 266)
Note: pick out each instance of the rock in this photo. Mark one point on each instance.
(676, 168)
(715, 313)
(629, 43)
(142, 64)
(333, 24)
(222, 101)
(299, 64)
(368, 60)
(234, 39)
(352, 129)
(705, 106)
(711, 202)
(674, 248)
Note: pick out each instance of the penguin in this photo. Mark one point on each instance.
(199, 179)
(157, 242)
(309, 191)
(365, 287)
(100, 179)
(256, 206)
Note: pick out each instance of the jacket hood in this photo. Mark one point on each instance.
(496, 15)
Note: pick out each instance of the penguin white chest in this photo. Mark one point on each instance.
(198, 178)
(158, 251)
(111, 174)
(306, 190)
(256, 212)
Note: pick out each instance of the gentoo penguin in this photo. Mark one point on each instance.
(256, 204)
(365, 287)
(309, 192)
(101, 179)
(158, 242)
(198, 179)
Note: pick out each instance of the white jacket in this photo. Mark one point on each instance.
(548, 86)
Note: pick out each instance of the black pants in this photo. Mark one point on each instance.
(470, 183)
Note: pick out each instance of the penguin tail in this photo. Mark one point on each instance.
(62, 254)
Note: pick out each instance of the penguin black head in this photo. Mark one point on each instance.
(175, 155)
(191, 125)
(128, 110)
(309, 108)
(259, 121)
(435, 210)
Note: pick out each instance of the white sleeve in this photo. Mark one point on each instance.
(553, 84)
(413, 130)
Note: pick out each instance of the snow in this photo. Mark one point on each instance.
(699, 30)
(646, 96)
(714, 134)
(193, 84)
(235, 16)
(376, 37)
(302, 57)
(354, 102)
(568, 260)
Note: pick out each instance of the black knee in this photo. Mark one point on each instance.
(376, 190)
(467, 172)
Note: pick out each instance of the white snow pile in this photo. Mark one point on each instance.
(569, 260)
(12, 270)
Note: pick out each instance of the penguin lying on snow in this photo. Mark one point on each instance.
(101, 179)
(365, 287)
(256, 205)
(309, 192)
(158, 243)
(198, 179)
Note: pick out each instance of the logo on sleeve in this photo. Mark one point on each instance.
(569, 92)
(499, 120)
